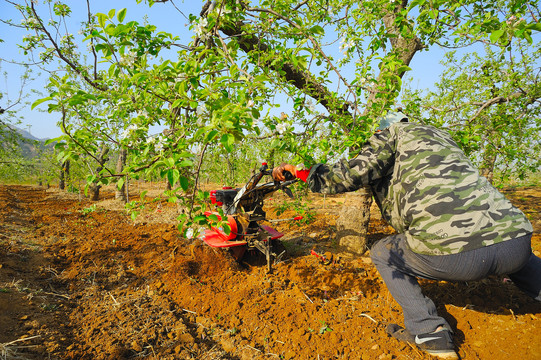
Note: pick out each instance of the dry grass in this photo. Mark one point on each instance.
(10, 349)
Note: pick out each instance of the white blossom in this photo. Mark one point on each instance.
(310, 105)
(513, 20)
(200, 110)
(281, 128)
(201, 29)
(345, 45)
(158, 147)
(180, 77)
(124, 134)
(159, 144)
(250, 104)
(127, 132)
(128, 59)
(31, 21)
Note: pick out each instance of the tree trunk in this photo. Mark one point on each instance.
(64, 174)
(487, 167)
(94, 188)
(352, 222)
(120, 194)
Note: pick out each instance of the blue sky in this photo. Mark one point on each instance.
(425, 65)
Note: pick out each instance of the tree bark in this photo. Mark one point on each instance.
(94, 188)
(352, 222)
(64, 174)
(120, 194)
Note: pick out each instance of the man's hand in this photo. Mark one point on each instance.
(278, 172)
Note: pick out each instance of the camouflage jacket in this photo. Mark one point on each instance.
(426, 188)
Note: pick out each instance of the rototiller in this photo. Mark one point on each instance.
(244, 210)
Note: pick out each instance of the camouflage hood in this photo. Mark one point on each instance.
(426, 188)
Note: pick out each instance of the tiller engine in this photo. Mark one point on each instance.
(244, 210)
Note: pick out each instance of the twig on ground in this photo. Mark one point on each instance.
(112, 297)
(253, 348)
(60, 295)
(307, 297)
(369, 317)
(6, 352)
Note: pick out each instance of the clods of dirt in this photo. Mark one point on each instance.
(78, 282)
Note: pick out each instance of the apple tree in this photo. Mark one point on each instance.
(333, 68)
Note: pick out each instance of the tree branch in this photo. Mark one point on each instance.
(62, 56)
(302, 80)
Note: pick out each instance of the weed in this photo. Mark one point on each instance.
(49, 307)
(88, 210)
(300, 206)
(134, 208)
(324, 328)
(2, 290)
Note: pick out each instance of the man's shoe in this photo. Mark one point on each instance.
(438, 343)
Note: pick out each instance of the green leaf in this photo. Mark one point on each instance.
(318, 30)
(102, 18)
(54, 140)
(200, 219)
(120, 183)
(184, 183)
(211, 135)
(227, 141)
(496, 35)
(535, 26)
(173, 176)
(226, 228)
(121, 15)
(143, 194)
(111, 13)
(39, 101)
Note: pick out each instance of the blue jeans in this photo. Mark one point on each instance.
(400, 267)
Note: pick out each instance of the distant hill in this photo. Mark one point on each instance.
(25, 134)
(28, 143)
